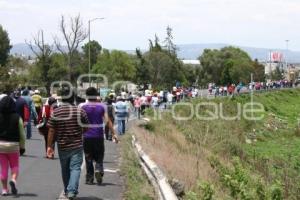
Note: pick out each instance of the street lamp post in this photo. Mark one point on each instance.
(286, 52)
(89, 33)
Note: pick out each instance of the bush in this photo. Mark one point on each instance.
(207, 191)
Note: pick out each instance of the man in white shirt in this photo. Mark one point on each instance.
(154, 101)
(170, 98)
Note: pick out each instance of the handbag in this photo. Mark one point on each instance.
(42, 125)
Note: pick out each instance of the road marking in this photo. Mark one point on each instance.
(111, 170)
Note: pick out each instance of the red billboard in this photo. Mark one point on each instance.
(276, 57)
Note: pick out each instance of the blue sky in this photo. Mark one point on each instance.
(130, 23)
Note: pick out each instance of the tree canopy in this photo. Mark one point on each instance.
(228, 65)
(4, 46)
(116, 65)
(95, 50)
(160, 65)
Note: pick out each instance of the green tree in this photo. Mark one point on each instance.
(227, 65)
(78, 65)
(4, 46)
(160, 66)
(18, 69)
(259, 71)
(58, 70)
(169, 45)
(116, 65)
(211, 62)
(143, 72)
(190, 74)
(95, 49)
(4, 77)
(43, 53)
(19, 65)
(225, 76)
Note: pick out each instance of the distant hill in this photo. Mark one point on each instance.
(21, 49)
(192, 51)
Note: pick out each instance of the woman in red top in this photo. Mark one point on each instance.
(43, 119)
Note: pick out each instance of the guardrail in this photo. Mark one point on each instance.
(155, 175)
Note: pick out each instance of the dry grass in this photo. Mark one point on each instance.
(176, 156)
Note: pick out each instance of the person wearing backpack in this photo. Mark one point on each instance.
(12, 143)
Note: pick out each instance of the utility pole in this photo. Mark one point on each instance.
(270, 60)
(286, 52)
(286, 60)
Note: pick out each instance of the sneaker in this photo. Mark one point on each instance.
(4, 193)
(89, 180)
(71, 196)
(14, 189)
(99, 177)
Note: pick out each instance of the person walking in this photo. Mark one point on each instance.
(111, 116)
(137, 106)
(65, 124)
(37, 101)
(12, 143)
(93, 142)
(121, 114)
(154, 101)
(32, 112)
(21, 107)
(42, 127)
(144, 103)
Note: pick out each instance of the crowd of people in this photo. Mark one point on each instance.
(160, 99)
(57, 121)
(77, 127)
(230, 89)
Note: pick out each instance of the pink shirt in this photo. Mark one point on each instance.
(137, 102)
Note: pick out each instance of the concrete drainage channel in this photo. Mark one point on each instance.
(154, 174)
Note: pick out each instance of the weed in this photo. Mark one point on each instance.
(207, 190)
(276, 191)
(137, 185)
(271, 155)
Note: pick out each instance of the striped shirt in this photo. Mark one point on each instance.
(66, 120)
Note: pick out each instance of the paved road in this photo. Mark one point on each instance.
(40, 178)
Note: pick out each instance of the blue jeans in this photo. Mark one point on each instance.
(70, 161)
(121, 126)
(28, 128)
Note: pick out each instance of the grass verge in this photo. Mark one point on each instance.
(137, 184)
(231, 159)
